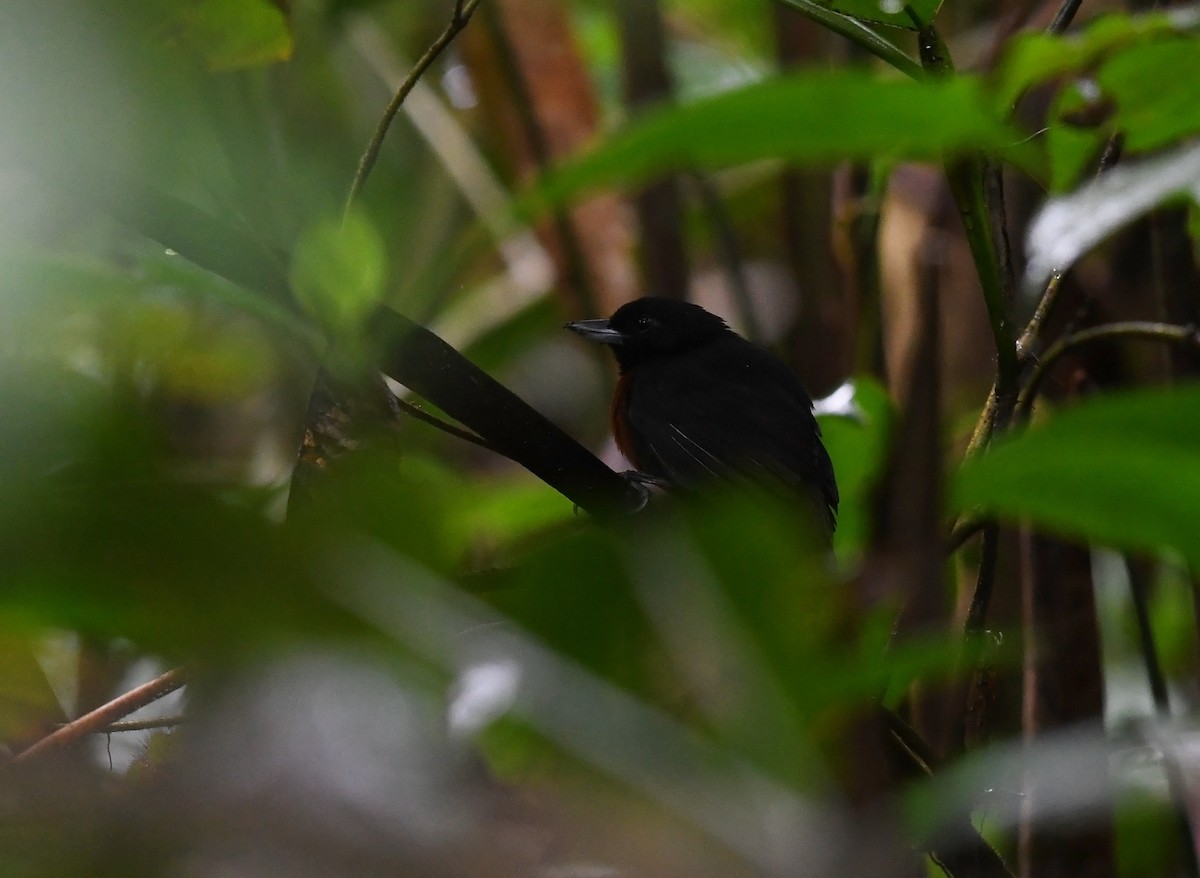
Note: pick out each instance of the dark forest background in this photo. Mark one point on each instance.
(314, 559)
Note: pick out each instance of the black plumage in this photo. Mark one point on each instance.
(697, 403)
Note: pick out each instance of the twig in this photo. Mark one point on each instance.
(1064, 16)
(1034, 328)
(1139, 595)
(960, 850)
(964, 529)
(105, 715)
(142, 725)
(729, 251)
(462, 14)
(859, 34)
(967, 183)
(985, 581)
(421, 415)
(1139, 330)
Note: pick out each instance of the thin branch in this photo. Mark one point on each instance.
(1064, 16)
(142, 725)
(959, 849)
(981, 599)
(968, 184)
(729, 252)
(964, 529)
(859, 34)
(105, 715)
(446, 427)
(458, 21)
(1033, 329)
(1138, 330)
(1139, 593)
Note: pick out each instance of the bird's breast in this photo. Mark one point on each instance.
(619, 415)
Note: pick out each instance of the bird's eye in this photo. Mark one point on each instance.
(645, 324)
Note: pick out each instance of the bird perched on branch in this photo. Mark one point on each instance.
(697, 404)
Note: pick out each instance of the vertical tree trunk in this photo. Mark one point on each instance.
(647, 81)
(1064, 687)
(536, 95)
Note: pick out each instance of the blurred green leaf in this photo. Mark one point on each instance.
(1149, 111)
(812, 117)
(158, 267)
(1038, 57)
(338, 271)
(234, 34)
(29, 706)
(1148, 838)
(574, 595)
(857, 446)
(1071, 147)
(1121, 65)
(1120, 471)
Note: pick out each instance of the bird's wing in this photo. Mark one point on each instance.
(737, 413)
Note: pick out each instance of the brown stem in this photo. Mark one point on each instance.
(105, 715)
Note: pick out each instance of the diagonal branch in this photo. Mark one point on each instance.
(104, 716)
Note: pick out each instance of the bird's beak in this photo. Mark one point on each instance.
(597, 330)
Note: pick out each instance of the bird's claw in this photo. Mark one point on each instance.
(643, 482)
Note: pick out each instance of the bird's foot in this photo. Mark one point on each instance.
(644, 482)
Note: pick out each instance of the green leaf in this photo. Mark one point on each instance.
(338, 271)
(812, 117)
(1120, 471)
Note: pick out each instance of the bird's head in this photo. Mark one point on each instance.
(651, 327)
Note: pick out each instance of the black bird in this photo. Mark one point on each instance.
(696, 404)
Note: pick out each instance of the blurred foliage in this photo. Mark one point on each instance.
(1116, 470)
(430, 662)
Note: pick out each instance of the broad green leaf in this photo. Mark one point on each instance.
(1121, 471)
(338, 271)
(812, 117)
